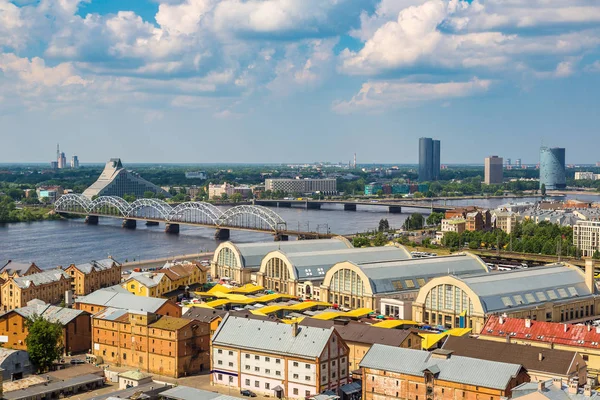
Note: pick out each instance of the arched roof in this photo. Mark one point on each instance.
(314, 264)
(250, 255)
(410, 274)
(523, 288)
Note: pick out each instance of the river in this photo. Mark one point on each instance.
(52, 243)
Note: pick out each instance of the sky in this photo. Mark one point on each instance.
(283, 81)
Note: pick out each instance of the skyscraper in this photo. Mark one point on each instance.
(429, 159)
(62, 161)
(552, 168)
(493, 170)
(74, 162)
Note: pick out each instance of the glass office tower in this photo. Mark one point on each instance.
(552, 168)
(429, 159)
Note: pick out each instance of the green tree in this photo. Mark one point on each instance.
(543, 189)
(451, 239)
(224, 196)
(236, 197)
(44, 342)
(380, 193)
(360, 241)
(380, 240)
(130, 198)
(384, 225)
(435, 218)
(160, 196)
(414, 221)
(596, 255)
(149, 195)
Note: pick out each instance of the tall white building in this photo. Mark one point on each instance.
(277, 359)
(74, 162)
(307, 185)
(62, 161)
(586, 237)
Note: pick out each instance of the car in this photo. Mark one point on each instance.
(248, 393)
(77, 361)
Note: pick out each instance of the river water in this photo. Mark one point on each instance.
(52, 243)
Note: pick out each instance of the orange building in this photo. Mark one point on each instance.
(14, 269)
(77, 335)
(94, 275)
(49, 286)
(157, 344)
(104, 298)
(397, 373)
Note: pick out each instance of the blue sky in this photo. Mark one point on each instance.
(298, 80)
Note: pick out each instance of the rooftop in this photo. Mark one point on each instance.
(110, 298)
(552, 390)
(203, 314)
(62, 315)
(97, 266)
(352, 331)
(552, 361)
(547, 332)
(188, 393)
(276, 337)
(135, 375)
(168, 323)
(41, 278)
(462, 370)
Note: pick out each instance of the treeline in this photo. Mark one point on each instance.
(10, 213)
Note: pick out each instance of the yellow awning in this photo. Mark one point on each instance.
(395, 323)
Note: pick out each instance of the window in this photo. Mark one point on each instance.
(247, 382)
(267, 371)
(307, 366)
(247, 355)
(295, 391)
(247, 367)
(267, 359)
(267, 385)
(307, 378)
(295, 376)
(257, 357)
(220, 362)
(220, 377)
(231, 353)
(256, 384)
(278, 373)
(220, 351)
(324, 366)
(231, 364)
(333, 374)
(124, 356)
(307, 393)
(256, 369)
(343, 359)
(277, 361)
(295, 364)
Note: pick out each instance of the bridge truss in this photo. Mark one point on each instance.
(193, 212)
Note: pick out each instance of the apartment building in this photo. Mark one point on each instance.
(165, 281)
(504, 220)
(105, 298)
(77, 335)
(13, 269)
(457, 225)
(397, 373)
(303, 186)
(217, 191)
(586, 237)
(157, 344)
(49, 286)
(292, 361)
(94, 275)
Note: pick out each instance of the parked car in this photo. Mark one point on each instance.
(248, 393)
(77, 361)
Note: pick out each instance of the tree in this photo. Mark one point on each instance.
(380, 193)
(451, 239)
(380, 240)
(543, 189)
(224, 196)
(160, 196)
(44, 342)
(414, 221)
(236, 197)
(435, 218)
(596, 255)
(384, 225)
(149, 195)
(130, 198)
(360, 241)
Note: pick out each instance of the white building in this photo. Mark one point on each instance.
(307, 185)
(457, 225)
(586, 237)
(216, 191)
(589, 176)
(74, 162)
(277, 359)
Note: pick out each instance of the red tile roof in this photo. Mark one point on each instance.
(548, 332)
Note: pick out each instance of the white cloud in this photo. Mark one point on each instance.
(593, 67)
(35, 72)
(378, 96)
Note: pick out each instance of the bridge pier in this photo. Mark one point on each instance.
(285, 204)
(281, 238)
(222, 234)
(313, 206)
(129, 223)
(349, 207)
(91, 220)
(151, 223)
(395, 209)
(171, 228)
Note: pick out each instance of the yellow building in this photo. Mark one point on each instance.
(13, 269)
(302, 274)
(94, 275)
(553, 293)
(353, 284)
(49, 286)
(241, 261)
(170, 278)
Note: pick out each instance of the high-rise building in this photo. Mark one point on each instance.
(62, 161)
(518, 163)
(54, 164)
(429, 159)
(493, 170)
(552, 168)
(508, 162)
(74, 162)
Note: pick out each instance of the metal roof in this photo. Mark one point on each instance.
(551, 391)
(463, 370)
(110, 298)
(413, 273)
(253, 253)
(50, 313)
(315, 264)
(147, 279)
(99, 265)
(111, 314)
(41, 390)
(524, 287)
(276, 337)
(188, 393)
(41, 278)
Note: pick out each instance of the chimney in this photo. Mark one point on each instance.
(501, 320)
(572, 388)
(540, 356)
(589, 275)
(295, 329)
(589, 327)
(566, 327)
(557, 383)
(541, 386)
(587, 391)
(527, 323)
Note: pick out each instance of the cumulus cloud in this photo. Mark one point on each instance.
(378, 96)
